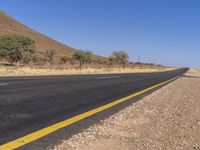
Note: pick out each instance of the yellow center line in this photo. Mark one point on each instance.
(50, 129)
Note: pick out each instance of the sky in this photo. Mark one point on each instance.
(165, 32)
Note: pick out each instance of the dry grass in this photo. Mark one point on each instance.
(194, 71)
(28, 71)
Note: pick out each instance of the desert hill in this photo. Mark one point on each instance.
(8, 25)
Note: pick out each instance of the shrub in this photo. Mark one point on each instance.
(50, 55)
(35, 59)
(27, 59)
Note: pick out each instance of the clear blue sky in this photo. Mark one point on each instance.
(159, 31)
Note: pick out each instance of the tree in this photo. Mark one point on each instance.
(15, 47)
(50, 55)
(65, 59)
(83, 57)
(120, 57)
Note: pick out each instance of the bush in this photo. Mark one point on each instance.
(64, 59)
(27, 59)
(111, 60)
(138, 63)
(50, 55)
(35, 59)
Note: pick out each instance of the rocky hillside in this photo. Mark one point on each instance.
(8, 25)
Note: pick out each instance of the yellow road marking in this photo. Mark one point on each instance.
(45, 131)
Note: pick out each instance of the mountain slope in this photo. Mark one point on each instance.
(9, 25)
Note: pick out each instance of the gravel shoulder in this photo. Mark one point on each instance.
(167, 119)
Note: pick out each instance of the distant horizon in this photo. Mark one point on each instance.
(165, 33)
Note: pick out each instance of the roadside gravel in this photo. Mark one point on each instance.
(167, 119)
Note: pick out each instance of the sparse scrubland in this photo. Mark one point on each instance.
(19, 58)
(34, 71)
(24, 51)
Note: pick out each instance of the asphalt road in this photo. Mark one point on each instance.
(28, 104)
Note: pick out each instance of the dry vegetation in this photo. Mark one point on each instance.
(36, 71)
(53, 58)
(194, 71)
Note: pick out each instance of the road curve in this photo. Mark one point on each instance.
(28, 104)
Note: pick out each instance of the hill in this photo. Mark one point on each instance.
(8, 25)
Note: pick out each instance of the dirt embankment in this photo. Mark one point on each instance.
(166, 119)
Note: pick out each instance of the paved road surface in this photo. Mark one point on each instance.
(28, 104)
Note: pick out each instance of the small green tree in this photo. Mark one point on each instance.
(16, 47)
(82, 57)
(50, 55)
(120, 57)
